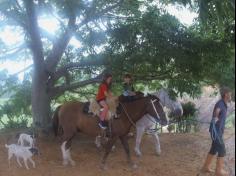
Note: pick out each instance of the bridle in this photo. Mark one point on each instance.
(157, 114)
(152, 103)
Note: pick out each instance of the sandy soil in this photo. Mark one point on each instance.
(182, 155)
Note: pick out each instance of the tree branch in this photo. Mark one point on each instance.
(33, 30)
(61, 89)
(98, 14)
(14, 17)
(60, 46)
(11, 53)
(78, 65)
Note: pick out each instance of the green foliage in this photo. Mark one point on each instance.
(15, 112)
(230, 121)
(188, 122)
(189, 109)
(160, 48)
(171, 128)
(216, 17)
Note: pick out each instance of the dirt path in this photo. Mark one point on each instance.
(182, 155)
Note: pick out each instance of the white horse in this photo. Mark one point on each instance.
(148, 122)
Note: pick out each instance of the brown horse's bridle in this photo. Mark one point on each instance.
(152, 102)
(130, 119)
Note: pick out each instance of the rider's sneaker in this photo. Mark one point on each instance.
(102, 126)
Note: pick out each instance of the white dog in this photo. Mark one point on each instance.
(26, 138)
(21, 152)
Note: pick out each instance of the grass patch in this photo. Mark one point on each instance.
(230, 121)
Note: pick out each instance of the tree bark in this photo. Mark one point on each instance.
(40, 98)
(41, 101)
(44, 90)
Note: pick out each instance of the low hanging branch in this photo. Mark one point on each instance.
(100, 61)
(56, 91)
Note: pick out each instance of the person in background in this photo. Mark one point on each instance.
(218, 146)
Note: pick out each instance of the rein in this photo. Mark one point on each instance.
(152, 102)
(127, 114)
(130, 119)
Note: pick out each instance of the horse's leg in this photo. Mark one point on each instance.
(68, 146)
(157, 143)
(108, 149)
(64, 155)
(65, 148)
(98, 142)
(140, 131)
(125, 144)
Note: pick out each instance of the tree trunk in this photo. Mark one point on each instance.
(40, 100)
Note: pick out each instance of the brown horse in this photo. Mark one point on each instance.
(71, 118)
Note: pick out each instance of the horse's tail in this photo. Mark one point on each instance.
(55, 120)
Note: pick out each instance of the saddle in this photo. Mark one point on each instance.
(93, 108)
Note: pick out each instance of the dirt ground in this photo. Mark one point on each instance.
(182, 155)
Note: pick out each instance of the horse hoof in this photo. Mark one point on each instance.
(138, 154)
(158, 154)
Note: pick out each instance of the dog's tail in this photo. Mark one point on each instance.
(7, 146)
(55, 120)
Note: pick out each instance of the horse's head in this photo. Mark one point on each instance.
(177, 110)
(155, 109)
(171, 103)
